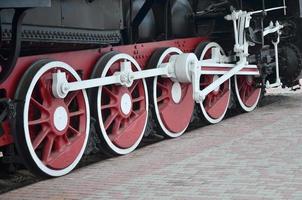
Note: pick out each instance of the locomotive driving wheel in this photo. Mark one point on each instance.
(51, 134)
(247, 92)
(216, 103)
(171, 101)
(121, 111)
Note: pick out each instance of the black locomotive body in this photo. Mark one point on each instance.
(90, 22)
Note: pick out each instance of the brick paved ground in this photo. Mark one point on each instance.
(250, 156)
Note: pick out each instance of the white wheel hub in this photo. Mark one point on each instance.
(60, 118)
(176, 92)
(126, 104)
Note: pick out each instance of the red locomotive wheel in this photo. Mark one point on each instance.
(51, 134)
(216, 103)
(121, 111)
(248, 94)
(172, 102)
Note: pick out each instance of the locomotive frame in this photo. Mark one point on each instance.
(47, 100)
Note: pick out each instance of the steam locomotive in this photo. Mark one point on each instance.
(133, 68)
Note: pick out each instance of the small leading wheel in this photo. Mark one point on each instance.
(247, 92)
(171, 101)
(121, 112)
(51, 134)
(216, 103)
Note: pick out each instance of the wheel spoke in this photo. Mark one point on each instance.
(108, 106)
(135, 113)
(38, 121)
(134, 85)
(108, 92)
(73, 130)
(45, 90)
(162, 97)
(76, 113)
(163, 106)
(209, 99)
(241, 84)
(123, 123)
(40, 137)
(47, 149)
(37, 104)
(71, 96)
(66, 139)
(213, 101)
(60, 143)
(208, 104)
(138, 99)
(244, 92)
(110, 119)
(164, 87)
(117, 125)
(250, 92)
(183, 86)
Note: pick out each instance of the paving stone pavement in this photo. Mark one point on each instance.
(250, 156)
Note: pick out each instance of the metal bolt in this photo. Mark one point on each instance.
(123, 78)
(200, 97)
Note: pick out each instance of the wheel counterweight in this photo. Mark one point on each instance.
(216, 103)
(54, 132)
(121, 111)
(171, 101)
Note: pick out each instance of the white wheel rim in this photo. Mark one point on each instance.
(242, 105)
(205, 114)
(115, 148)
(158, 117)
(41, 166)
